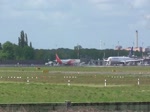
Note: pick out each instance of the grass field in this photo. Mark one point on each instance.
(77, 84)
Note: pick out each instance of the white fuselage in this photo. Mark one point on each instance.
(121, 60)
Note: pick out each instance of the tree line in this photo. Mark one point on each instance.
(25, 51)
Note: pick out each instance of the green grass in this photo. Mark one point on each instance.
(86, 84)
(33, 93)
(72, 68)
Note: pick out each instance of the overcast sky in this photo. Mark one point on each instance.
(65, 23)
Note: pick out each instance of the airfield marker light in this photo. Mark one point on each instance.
(105, 82)
(28, 81)
(138, 81)
(68, 82)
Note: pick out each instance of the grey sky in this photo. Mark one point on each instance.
(66, 23)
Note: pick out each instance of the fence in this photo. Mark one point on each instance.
(73, 107)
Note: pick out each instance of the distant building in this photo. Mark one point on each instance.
(118, 47)
(128, 49)
(147, 49)
(140, 49)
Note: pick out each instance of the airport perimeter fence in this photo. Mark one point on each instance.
(78, 107)
(12, 63)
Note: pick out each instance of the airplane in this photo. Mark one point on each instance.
(115, 60)
(67, 61)
(50, 63)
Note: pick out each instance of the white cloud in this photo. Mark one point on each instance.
(147, 17)
(103, 5)
(139, 3)
(35, 3)
(139, 11)
(35, 9)
(142, 22)
(110, 7)
(147, 20)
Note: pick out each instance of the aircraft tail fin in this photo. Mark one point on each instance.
(131, 52)
(58, 59)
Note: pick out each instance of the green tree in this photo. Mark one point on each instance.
(8, 51)
(26, 39)
(28, 53)
(31, 44)
(0, 46)
(40, 54)
(18, 52)
(77, 50)
(23, 39)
